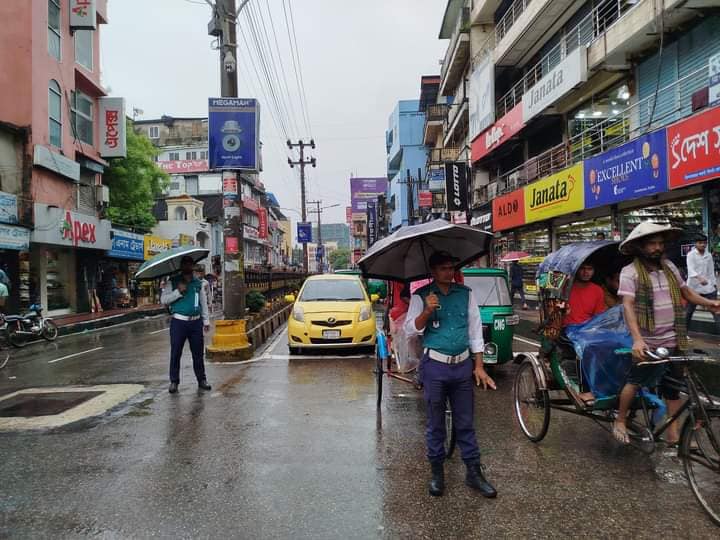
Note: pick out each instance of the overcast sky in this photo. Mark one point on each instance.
(358, 58)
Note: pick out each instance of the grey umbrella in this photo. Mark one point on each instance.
(168, 262)
(403, 256)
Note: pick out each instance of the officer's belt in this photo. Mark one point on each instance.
(446, 358)
(185, 317)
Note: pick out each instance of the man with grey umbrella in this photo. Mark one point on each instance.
(447, 317)
(188, 305)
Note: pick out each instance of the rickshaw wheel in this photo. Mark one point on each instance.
(532, 405)
(449, 431)
(700, 454)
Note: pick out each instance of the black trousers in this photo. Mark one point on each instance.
(192, 331)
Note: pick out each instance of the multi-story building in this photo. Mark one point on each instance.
(586, 117)
(334, 232)
(406, 161)
(57, 130)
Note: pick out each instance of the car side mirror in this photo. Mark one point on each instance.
(290, 298)
(374, 297)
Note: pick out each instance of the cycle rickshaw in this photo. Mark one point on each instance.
(569, 360)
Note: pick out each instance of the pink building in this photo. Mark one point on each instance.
(53, 239)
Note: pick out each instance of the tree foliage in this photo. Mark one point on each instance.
(135, 181)
(340, 258)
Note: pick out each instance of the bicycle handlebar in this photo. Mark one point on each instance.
(662, 359)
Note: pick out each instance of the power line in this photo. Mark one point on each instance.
(295, 63)
(302, 80)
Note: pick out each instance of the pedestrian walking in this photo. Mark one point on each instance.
(701, 277)
(187, 302)
(516, 283)
(446, 315)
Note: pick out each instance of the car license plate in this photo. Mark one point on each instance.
(331, 334)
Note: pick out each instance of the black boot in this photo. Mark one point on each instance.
(173, 388)
(437, 482)
(476, 480)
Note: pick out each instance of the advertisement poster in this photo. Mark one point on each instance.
(630, 171)
(233, 133)
(508, 211)
(694, 149)
(555, 195)
(456, 186)
(304, 232)
(363, 190)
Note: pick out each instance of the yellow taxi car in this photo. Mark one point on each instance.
(331, 311)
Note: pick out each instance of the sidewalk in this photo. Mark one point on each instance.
(699, 340)
(74, 323)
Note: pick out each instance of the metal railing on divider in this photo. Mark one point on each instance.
(669, 104)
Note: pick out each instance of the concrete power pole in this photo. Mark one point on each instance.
(302, 162)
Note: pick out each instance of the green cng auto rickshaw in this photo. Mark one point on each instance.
(490, 287)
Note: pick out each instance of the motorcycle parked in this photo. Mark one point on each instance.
(20, 328)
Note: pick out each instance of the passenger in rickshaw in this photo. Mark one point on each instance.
(610, 289)
(587, 299)
(653, 290)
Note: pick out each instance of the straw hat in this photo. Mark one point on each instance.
(647, 228)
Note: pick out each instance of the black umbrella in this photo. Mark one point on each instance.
(403, 256)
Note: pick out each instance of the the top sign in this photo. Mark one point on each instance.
(694, 149)
(558, 82)
(233, 134)
(184, 166)
(82, 15)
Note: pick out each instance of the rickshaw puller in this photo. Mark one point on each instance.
(446, 315)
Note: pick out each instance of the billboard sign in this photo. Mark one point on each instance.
(425, 199)
(482, 97)
(694, 149)
(113, 142)
(15, 238)
(127, 245)
(630, 171)
(233, 134)
(483, 218)
(555, 195)
(363, 190)
(182, 166)
(508, 211)
(8, 208)
(304, 232)
(456, 186)
(570, 72)
(82, 16)
(498, 133)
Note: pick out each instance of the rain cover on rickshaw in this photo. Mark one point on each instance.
(595, 343)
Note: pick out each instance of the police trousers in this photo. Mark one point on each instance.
(181, 331)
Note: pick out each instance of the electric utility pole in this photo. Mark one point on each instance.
(223, 26)
(302, 162)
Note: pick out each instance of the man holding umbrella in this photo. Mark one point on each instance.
(188, 306)
(446, 315)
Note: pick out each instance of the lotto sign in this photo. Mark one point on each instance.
(112, 127)
(694, 149)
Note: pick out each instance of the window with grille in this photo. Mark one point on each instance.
(82, 117)
(191, 155)
(154, 132)
(174, 156)
(54, 36)
(84, 48)
(55, 113)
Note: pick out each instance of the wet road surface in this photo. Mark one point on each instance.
(296, 448)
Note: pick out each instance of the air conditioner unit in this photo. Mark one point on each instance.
(102, 194)
(492, 190)
(513, 179)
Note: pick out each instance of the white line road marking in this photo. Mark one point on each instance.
(73, 355)
(158, 331)
(528, 341)
(307, 357)
(239, 363)
(275, 341)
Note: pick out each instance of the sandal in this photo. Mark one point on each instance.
(620, 434)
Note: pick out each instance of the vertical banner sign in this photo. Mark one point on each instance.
(371, 223)
(348, 215)
(482, 97)
(425, 199)
(304, 232)
(262, 223)
(233, 134)
(82, 16)
(456, 186)
(113, 141)
(230, 195)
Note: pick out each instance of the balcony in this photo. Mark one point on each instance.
(674, 100)
(526, 25)
(441, 155)
(456, 123)
(434, 119)
(457, 55)
(483, 12)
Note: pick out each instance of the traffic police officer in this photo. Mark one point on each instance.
(447, 317)
(190, 317)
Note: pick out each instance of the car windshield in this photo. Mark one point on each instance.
(489, 290)
(340, 290)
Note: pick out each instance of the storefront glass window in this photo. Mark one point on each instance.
(537, 245)
(58, 296)
(593, 112)
(584, 231)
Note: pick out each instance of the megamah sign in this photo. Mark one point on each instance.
(234, 134)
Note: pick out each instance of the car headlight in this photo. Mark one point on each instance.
(365, 313)
(298, 314)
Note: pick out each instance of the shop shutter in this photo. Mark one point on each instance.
(694, 50)
(647, 78)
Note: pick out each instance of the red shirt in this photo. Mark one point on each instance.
(586, 301)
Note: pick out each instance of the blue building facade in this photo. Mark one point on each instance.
(405, 152)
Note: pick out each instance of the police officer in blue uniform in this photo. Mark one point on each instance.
(188, 306)
(447, 317)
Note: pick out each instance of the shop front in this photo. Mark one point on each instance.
(119, 289)
(64, 253)
(14, 261)
(148, 292)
